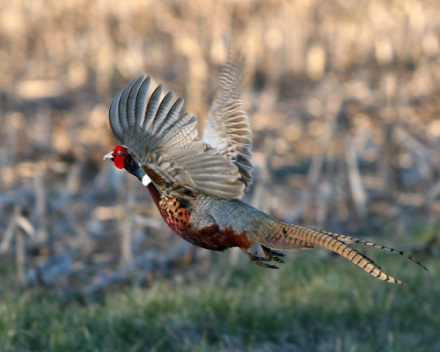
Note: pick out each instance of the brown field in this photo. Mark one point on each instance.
(344, 98)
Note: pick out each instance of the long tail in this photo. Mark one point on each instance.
(354, 240)
(286, 236)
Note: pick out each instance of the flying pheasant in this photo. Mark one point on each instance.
(196, 183)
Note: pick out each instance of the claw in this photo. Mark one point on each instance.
(256, 257)
(268, 266)
(261, 262)
(278, 260)
(273, 255)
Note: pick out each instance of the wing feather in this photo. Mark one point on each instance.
(152, 106)
(141, 100)
(165, 143)
(162, 112)
(228, 128)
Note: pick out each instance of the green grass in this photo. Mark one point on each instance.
(315, 302)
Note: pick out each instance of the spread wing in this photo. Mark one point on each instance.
(165, 143)
(228, 128)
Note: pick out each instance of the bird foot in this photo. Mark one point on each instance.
(273, 255)
(269, 256)
(261, 261)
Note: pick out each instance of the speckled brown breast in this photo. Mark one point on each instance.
(175, 215)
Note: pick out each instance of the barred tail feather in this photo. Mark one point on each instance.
(354, 240)
(285, 235)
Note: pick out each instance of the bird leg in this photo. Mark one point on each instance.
(261, 261)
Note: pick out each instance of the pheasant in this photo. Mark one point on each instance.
(197, 183)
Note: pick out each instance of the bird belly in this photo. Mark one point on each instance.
(213, 238)
(178, 218)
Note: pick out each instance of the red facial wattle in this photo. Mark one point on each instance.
(119, 154)
(119, 161)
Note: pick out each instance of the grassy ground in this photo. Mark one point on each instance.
(315, 302)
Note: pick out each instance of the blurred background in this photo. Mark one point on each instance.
(344, 99)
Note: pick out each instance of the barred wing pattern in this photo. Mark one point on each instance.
(165, 143)
(228, 128)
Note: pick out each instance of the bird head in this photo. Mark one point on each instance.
(122, 159)
(118, 156)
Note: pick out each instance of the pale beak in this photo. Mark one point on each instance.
(108, 156)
